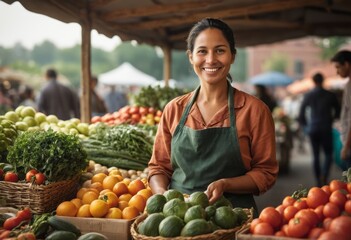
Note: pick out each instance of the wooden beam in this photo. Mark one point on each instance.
(85, 108)
(155, 9)
(239, 11)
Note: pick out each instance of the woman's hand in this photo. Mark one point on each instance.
(215, 190)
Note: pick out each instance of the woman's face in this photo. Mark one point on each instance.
(211, 57)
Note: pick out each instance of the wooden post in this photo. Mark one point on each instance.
(167, 62)
(85, 108)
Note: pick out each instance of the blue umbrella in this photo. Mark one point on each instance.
(271, 79)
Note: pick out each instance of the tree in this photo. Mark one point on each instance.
(44, 53)
(331, 45)
(277, 62)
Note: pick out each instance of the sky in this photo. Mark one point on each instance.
(18, 25)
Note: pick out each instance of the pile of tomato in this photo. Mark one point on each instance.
(32, 176)
(325, 213)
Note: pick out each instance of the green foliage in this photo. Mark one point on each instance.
(59, 156)
(45, 53)
(330, 46)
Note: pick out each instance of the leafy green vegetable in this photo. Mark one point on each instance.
(59, 156)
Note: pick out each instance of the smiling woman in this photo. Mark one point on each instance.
(16, 26)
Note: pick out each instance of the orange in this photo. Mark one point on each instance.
(120, 188)
(110, 198)
(99, 177)
(135, 186)
(125, 197)
(130, 212)
(98, 186)
(138, 201)
(105, 191)
(146, 193)
(89, 196)
(109, 182)
(77, 202)
(84, 211)
(98, 208)
(126, 181)
(81, 192)
(94, 190)
(66, 208)
(122, 204)
(114, 213)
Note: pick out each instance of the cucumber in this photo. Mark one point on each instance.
(61, 235)
(93, 236)
(60, 224)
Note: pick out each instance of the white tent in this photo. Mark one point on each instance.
(126, 75)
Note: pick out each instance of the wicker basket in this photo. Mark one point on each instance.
(222, 234)
(39, 198)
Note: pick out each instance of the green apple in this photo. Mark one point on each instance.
(52, 119)
(35, 128)
(22, 126)
(12, 116)
(83, 128)
(40, 117)
(61, 123)
(75, 120)
(28, 111)
(18, 110)
(70, 125)
(43, 125)
(73, 131)
(30, 121)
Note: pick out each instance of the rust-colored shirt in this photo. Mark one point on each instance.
(255, 129)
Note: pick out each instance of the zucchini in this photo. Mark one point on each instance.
(60, 224)
(93, 236)
(61, 235)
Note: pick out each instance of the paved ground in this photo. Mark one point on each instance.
(300, 174)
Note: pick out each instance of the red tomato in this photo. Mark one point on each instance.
(288, 201)
(298, 228)
(95, 119)
(316, 197)
(263, 228)
(280, 234)
(151, 110)
(339, 198)
(347, 207)
(11, 177)
(285, 229)
(134, 110)
(301, 204)
(5, 234)
(135, 117)
(24, 214)
(289, 212)
(143, 111)
(326, 189)
(337, 185)
(331, 210)
(328, 235)
(341, 225)
(326, 223)
(309, 215)
(319, 211)
(253, 224)
(315, 233)
(158, 113)
(280, 209)
(11, 223)
(39, 178)
(30, 175)
(271, 216)
(348, 187)
(26, 236)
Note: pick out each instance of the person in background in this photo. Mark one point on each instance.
(319, 109)
(28, 98)
(98, 107)
(263, 95)
(216, 139)
(115, 100)
(5, 101)
(58, 99)
(342, 63)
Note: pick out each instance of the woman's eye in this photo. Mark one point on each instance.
(201, 51)
(220, 50)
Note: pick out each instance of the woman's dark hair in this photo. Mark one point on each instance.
(211, 23)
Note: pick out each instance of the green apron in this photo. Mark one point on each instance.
(200, 157)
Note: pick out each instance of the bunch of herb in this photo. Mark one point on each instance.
(59, 156)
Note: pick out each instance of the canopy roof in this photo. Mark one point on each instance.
(166, 23)
(126, 75)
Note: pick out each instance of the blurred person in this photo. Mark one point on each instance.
(28, 98)
(319, 109)
(98, 107)
(58, 99)
(5, 101)
(263, 94)
(115, 99)
(342, 63)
